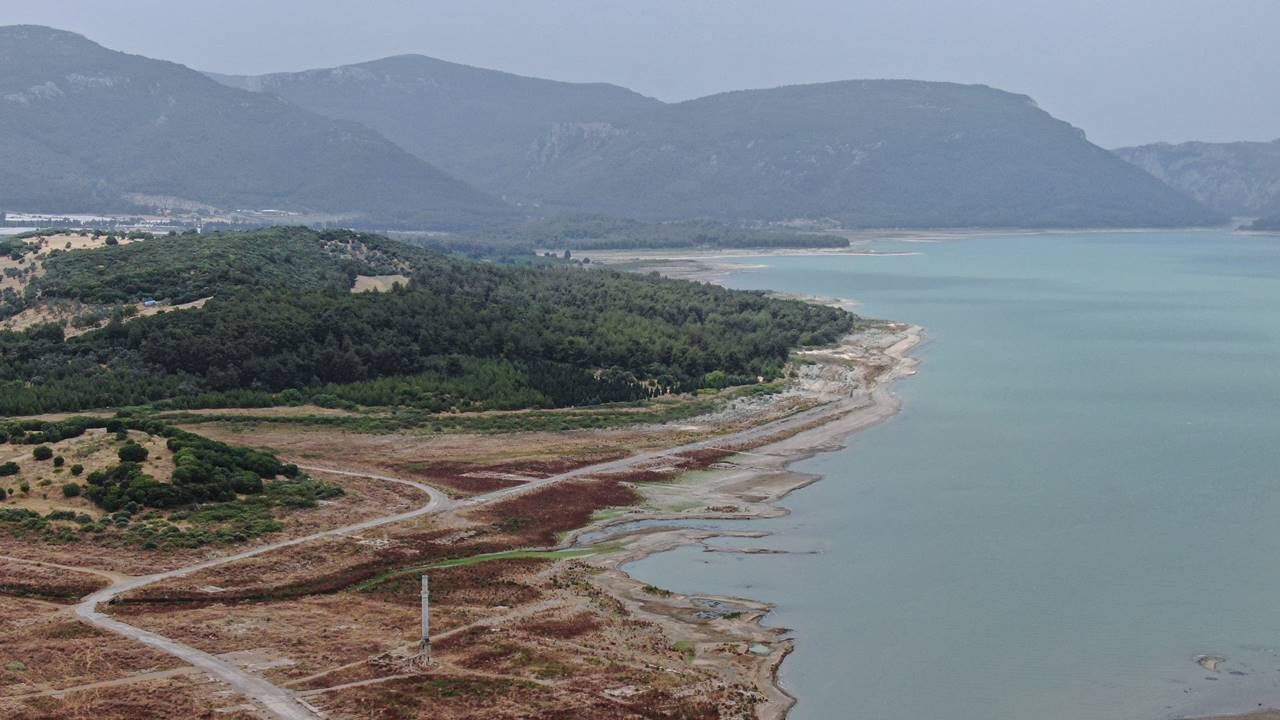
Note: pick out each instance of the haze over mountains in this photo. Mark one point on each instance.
(1239, 178)
(477, 124)
(84, 128)
(864, 153)
(410, 140)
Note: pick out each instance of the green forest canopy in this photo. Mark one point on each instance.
(598, 232)
(460, 334)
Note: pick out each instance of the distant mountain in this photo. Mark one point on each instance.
(881, 153)
(1238, 178)
(861, 153)
(481, 125)
(84, 128)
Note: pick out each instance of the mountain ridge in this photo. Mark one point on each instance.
(94, 129)
(863, 153)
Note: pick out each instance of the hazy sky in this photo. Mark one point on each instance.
(1125, 71)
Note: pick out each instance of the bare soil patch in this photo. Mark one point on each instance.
(378, 283)
(96, 449)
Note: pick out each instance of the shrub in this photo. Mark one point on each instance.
(59, 461)
(132, 452)
(9, 468)
(42, 452)
(77, 469)
(70, 490)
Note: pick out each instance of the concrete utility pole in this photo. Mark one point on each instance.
(425, 644)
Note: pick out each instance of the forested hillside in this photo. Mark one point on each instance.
(883, 153)
(182, 268)
(594, 232)
(1238, 178)
(87, 129)
(478, 124)
(457, 334)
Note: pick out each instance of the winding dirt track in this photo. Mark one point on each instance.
(279, 702)
(285, 704)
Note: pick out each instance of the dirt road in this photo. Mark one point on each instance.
(285, 704)
(279, 702)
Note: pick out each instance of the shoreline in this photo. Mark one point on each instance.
(769, 482)
(740, 643)
(859, 239)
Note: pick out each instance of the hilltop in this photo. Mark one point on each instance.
(87, 129)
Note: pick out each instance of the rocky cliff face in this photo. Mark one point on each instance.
(1240, 178)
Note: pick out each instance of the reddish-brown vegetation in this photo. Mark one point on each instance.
(464, 478)
(671, 466)
(440, 696)
(41, 581)
(471, 478)
(535, 518)
(487, 584)
(453, 697)
(155, 699)
(61, 653)
(643, 475)
(707, 456)
(562, 628)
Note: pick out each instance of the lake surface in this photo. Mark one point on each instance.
(1081, 495)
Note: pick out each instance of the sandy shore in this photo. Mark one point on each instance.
(734, 642)
(701, 263)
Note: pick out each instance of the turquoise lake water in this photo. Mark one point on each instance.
(1081, 495)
